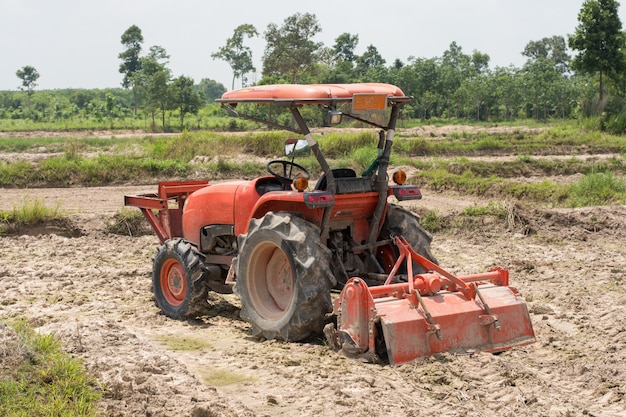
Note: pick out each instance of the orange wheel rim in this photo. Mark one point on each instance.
(173, 282)
(270, 281)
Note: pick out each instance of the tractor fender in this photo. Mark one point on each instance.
(236, 203)
(275, 201)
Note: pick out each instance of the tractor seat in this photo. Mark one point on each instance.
(337, 173)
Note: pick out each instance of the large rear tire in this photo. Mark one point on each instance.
(401, 222)
(178, 281)
(283, 277)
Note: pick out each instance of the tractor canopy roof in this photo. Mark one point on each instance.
(318, 94)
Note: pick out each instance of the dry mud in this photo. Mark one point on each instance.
(93, 291)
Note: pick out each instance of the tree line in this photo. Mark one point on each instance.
(580, 76)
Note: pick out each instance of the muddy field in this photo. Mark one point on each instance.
(92, 290)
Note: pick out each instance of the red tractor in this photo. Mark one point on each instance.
(285, 245)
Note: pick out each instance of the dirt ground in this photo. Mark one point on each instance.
(93, 291)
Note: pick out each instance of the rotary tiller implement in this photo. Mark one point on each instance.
(430, 313)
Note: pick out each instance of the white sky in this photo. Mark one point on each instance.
(75, 44)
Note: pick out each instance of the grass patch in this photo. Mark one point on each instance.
(221, 378)
(43, 380)
(185, 343)
(31, 212)
(433, 222)
(597, 189)
(490, 209)
(496, 215)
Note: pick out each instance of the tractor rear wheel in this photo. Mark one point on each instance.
(283, 277)
(401, 222)
(178, 281)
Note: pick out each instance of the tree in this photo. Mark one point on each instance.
(420, 78)
(110, 107)
(343, 50)
(599, 39)
(29, 76)
(370, 60)
(290, 48)
(479, 63)
(210, 89)
(152, 81)
(336, 64)
(131, 61)
(553, 49)
(541, 87)
(238, 56)
(158, 93)
(184, 97)
(508, 91)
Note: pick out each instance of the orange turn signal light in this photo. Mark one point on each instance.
(399, 177)
(300, 183)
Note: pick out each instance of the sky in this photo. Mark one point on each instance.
(75, 44)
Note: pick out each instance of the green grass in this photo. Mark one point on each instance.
(597, 189)
(62, 143)
(45, 381)
(432, 221)
(30, 212)
(98, 161)
(498, 210)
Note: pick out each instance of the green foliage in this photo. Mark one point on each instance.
(338, 144)
(16, 173)
(131, 63)
(432, 221)
(597, 189)
(491, 209)
(29, 76)
(290, 48)
(213, 155)
(599, 39)
(100, 170)
(456, 87)
(616, 123)
(363, 158)
(184, 98)
(188, 145)
(29, 213)
(493, 186)
(236, 54)
(45, 381)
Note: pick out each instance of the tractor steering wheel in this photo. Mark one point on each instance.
(290, 171)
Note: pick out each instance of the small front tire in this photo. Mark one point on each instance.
(178, 281)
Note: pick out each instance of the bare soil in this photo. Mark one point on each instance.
(93, 290)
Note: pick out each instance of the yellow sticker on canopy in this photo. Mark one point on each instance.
(367, 103)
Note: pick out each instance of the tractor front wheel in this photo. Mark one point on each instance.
(178, 281)
(283, 277)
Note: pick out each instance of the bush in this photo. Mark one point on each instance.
(43, 381)
(31, 212)
(597, 189)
